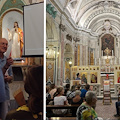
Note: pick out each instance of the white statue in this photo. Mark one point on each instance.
(15, 36)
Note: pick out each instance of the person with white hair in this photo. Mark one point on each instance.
(85, 110)
(77, 100)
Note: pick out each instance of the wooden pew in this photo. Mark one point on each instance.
(50, 107)
(62, 118)
(61, 106)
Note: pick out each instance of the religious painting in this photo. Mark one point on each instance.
(83, 77)
(12, 30)
(93, 77)
(91, 57)
(118, 77)
(107, 43)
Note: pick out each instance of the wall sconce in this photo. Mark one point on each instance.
(70, 63)
(50, 52)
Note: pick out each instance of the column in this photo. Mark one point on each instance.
(80, 54)
(89, 55)
(86, 54)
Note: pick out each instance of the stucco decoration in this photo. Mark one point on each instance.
(12, 4)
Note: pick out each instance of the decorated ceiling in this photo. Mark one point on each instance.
(92, 14)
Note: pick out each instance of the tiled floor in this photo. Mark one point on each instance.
(106, 111)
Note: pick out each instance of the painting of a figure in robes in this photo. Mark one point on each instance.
(107, 42)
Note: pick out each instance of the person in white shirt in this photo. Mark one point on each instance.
(59, 99)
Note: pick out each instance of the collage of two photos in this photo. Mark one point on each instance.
(22, 59)
(59, 59)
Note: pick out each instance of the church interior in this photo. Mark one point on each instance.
(12, 14)
(83, 36)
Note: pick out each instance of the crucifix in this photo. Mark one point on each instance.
(107, 52)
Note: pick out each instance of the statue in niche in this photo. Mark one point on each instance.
(107, 42)
(15, 35)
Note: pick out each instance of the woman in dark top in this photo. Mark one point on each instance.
(34, 87)
(77, 100)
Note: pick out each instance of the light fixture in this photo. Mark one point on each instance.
(50, 53)
(70, 63)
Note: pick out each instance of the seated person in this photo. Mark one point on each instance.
(67, 88)
(34, 87)
(59, 99)
(78, 76)
(117, 106)
(77, 100)
(52, 90)
(71, 94)
(85, 110)
(83, 91)
(48, 96)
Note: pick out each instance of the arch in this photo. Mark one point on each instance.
(5, 13)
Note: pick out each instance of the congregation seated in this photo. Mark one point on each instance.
(85, 110)
(78, 87)
(34, 87)
(59, 99)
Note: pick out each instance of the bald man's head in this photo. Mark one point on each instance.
(3, 45)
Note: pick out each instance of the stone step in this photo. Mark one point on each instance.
(112, 97)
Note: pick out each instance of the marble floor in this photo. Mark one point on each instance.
(106, 111)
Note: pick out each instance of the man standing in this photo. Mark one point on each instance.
(4, 79)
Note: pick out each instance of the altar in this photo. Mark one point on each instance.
(96, 75)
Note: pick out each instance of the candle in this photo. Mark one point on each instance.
(102, 52)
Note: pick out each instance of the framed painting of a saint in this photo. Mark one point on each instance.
(83, 77)
(107, 43)
(93, 77)
(118, 77)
